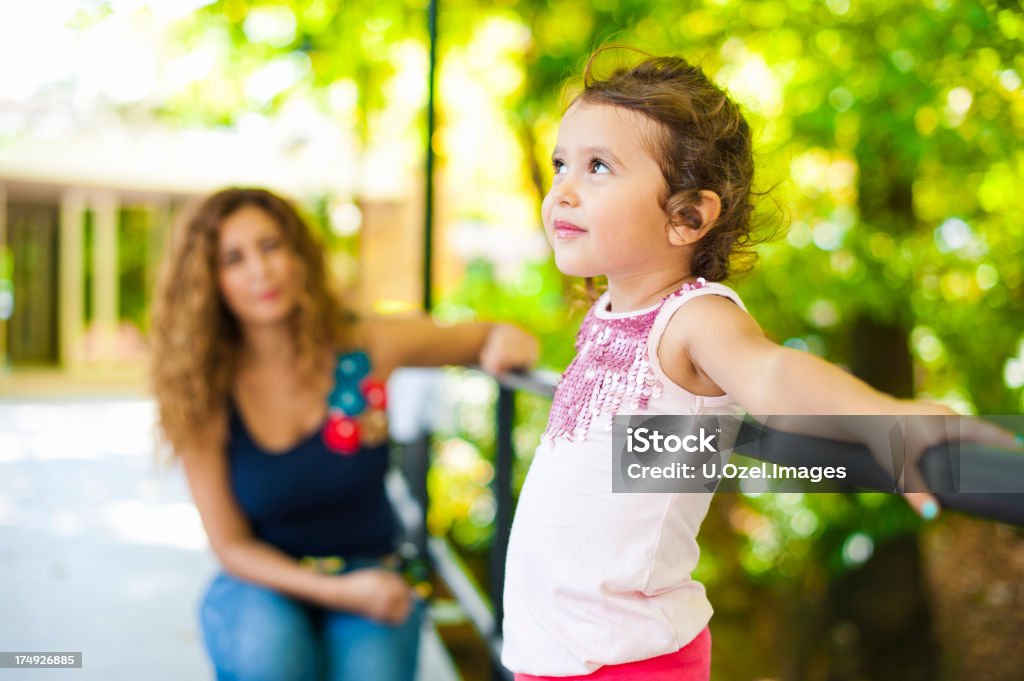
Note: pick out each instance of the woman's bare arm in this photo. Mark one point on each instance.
(420, 342)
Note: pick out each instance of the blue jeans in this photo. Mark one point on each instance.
(253, 633)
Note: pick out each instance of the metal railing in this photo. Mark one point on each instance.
(483, 607)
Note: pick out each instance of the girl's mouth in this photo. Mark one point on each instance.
(567, 230)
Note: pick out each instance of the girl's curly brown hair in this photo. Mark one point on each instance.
(195, 339)
(704, 142)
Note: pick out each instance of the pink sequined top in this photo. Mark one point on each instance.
(594, 578)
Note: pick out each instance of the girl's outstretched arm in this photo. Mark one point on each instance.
(725, 344)
(420, 341)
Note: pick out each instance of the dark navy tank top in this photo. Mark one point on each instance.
(310, 500)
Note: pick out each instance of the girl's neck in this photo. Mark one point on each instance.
(637, 294)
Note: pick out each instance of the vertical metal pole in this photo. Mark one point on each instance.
(428, 218)
(417, 462)
(503, 456)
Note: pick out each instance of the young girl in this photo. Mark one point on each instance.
(652, 184)
(273, 398)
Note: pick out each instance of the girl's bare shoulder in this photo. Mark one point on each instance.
(709, 323)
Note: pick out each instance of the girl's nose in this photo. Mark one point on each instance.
(565, 192)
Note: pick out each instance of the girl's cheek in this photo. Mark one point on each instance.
(545, 209)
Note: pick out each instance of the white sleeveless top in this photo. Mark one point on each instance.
(594, 578)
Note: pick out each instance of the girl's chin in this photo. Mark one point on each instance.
(571, 267)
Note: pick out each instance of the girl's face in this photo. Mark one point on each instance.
(256, 268)
(603, 214)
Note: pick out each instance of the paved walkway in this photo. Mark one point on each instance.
(99, 553)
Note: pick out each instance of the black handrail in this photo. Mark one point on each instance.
(994, 465)
(999, 472)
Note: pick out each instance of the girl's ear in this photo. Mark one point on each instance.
(689, 224)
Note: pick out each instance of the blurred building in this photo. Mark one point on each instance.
(79, 262)
(85, 220)
(137, 108)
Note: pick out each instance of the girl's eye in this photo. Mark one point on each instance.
(270, 244)
(598, 167)
(558, 166)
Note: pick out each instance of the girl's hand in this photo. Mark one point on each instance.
(508, 347)
(922, 433)
(375, 594)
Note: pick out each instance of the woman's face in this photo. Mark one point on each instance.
(257, 269)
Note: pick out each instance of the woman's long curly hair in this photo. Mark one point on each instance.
(195, 339)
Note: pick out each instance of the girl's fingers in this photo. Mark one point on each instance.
(924, 504)
(970, 430)
(984, 432)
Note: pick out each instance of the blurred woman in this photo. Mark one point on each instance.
(272, 396)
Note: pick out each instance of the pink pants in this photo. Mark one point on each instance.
(692, 662)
